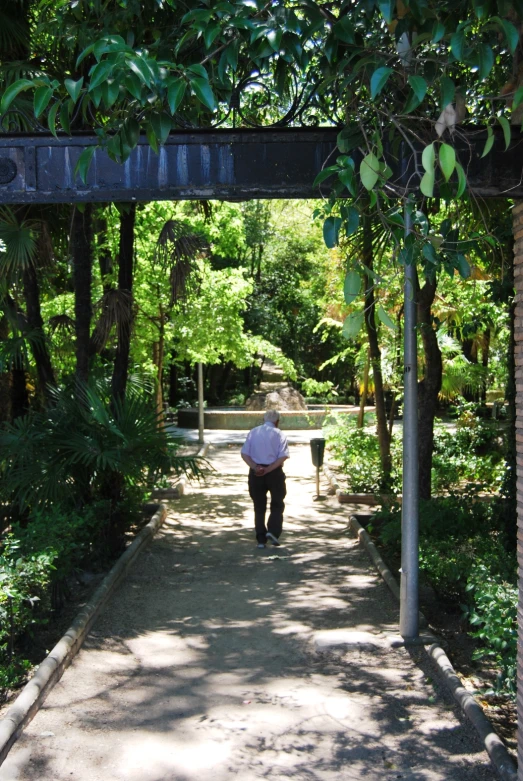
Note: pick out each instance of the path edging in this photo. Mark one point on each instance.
(496, 749)
(49, 672)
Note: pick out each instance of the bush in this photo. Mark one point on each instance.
(24, 602)
(357, 450)
(464, 556)
(323, 391)
(494, 611)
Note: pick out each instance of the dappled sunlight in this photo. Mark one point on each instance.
(215, 660)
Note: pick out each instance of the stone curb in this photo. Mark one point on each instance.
(32, 696)
(496, 749)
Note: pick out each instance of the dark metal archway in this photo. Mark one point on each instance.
(219, 164)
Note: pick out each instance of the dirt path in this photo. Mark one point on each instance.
(214, 660)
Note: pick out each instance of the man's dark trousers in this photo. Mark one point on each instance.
(274, 483)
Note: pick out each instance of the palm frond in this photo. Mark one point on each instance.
(20, 240)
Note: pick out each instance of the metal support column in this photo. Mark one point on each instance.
(409, 608)
(200, 403)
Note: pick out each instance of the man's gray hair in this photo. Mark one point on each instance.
(271, 416)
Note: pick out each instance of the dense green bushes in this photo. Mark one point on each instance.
(72, 482)
(469, 453)
(463, 554)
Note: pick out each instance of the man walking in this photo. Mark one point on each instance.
(265, 450)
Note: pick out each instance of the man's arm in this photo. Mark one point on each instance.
(275, 464)
(248, 460)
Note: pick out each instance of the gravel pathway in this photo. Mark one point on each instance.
(215, 660)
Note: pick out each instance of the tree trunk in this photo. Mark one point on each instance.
(429, 387)
(81, 250)
(485, 354)
(5, 377)
(363, 398)
(125, 285)
(375, 355)
(173, 383)
(35, 323)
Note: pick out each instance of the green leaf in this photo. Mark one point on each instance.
(369, 171)
(378, 80)
(140, 66)
(463, 266)
(485, 60)
(161, 124)
(202, 90)
(51, 118)
(457, 44)
(462, 180)
(447, 160)
(99, 73)
(12, 91)
(511, 34)
(344, 30)
(110, 92)
(74, 88)
(175, 93)
(351, 286)
(385, 319)
(352, 325)
(65, 116)
(427, 184)
(210, 34)
(503, 121)
(324, 174)
(347, 177)
(489, 142)
(352, 221)
(419, 86)
(134, 86)
(438, 31)
(448, 90)
(42, 97)
(84, 161)
(199, 71)
(428, 158)
(331, 231)
(151, 138)
(429, 253)
(518, 97)
(387, 8)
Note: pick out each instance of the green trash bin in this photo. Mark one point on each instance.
(317, 451)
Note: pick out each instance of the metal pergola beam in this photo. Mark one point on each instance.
(217, 164)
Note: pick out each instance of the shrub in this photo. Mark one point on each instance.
(324, 391)
(357, 450)
(494, 612)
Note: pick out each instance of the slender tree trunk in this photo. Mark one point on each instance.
(35, 323)
(81, 250)
(5, 377)
(363, 398)
(485, 354)
(125, 285)
(429, 387)
(375, 355)
(173, 383)
(19, 393)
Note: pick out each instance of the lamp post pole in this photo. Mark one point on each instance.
(409, 607)
(200, 403)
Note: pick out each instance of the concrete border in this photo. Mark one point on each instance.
(496, 749)
(32, 696)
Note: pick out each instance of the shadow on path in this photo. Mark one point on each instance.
(207, 664)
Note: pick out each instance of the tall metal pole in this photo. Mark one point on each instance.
(409, 608)
(200, 403)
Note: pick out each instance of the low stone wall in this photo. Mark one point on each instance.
(241, 419)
